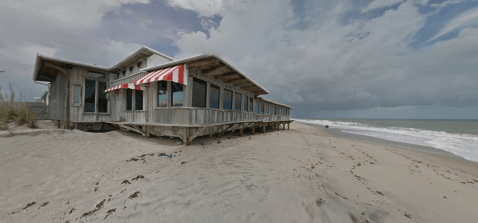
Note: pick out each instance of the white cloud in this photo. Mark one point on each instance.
(467, 18)
(376, 4)
(56, 28)
(338, 66)
(206, 8)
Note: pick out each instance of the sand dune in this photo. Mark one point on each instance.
(301, 175)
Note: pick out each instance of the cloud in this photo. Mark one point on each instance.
(338, 66)
(376, 4)
(465, 19)
(55, 28)
(207, 8)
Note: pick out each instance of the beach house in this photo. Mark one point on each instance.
(154, 94)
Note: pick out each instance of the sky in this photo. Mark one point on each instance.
(327, 59)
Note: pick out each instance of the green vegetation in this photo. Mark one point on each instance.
(15, 111)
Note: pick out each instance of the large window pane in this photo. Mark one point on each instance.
(267, 109)
(139, 100)
(251, 102)
(129, 99)
(199, 93)
(102, 100)
(238, 101)
(262, 108)
(246, 101)
(176, 94)
(257, 108)
(227, 100)
(162, 94)
(215, 95)
(90, 95)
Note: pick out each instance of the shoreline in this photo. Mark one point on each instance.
(408, 146)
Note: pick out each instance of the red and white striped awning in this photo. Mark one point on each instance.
(130, 86)
(175, 74)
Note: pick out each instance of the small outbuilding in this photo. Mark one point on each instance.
(151, 93)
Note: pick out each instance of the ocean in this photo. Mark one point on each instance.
(459, 137)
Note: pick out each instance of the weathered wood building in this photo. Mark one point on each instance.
(151, 93)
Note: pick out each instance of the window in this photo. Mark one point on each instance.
(280, 111)
(267, 109)
(124, 72)
(214, 98)
(93, 102)
(102, 100)
(162, 94)
(139, 64)
(246, 106)
(90, 95)
(131, 69)
(257, 108)
(238, 103)
(129, 100)
(76, 95)
(227, 105)
(176, 94)
(199, 93)
(251, 102)
(262, 108)
(138, 100)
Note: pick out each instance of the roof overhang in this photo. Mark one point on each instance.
(142, 52)
(44, 73)
(223, 67)
(276, 103)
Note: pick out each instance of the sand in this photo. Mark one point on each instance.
(298, 175)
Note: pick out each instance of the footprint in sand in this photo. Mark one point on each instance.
(125, 182)
(27, 206)
(134, 195)
(139, 177)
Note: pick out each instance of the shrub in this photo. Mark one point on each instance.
(7, 112)
(25, 115)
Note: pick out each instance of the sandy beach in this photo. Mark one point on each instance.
(299, 175)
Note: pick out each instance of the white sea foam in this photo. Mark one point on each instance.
(462, 145)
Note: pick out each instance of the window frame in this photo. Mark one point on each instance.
(167, 95)
(224, 100)
(211, 86)
(172, 95)
(80, 96)
(199, 81)
(235, 101)
(83, 97)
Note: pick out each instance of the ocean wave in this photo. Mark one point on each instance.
(463, 145)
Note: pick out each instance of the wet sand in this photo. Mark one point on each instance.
(304, 174)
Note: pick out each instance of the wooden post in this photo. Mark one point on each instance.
(263, 129)
(148, 134)
(253, 129)
(283, 126)
(241, 131)
(272, 127)
(288, 126)
(278, 127)
(57, 123)
(219, 135)
(67, 119)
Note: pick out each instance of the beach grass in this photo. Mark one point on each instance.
(18, 112)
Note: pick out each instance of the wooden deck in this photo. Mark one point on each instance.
(187, 133)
